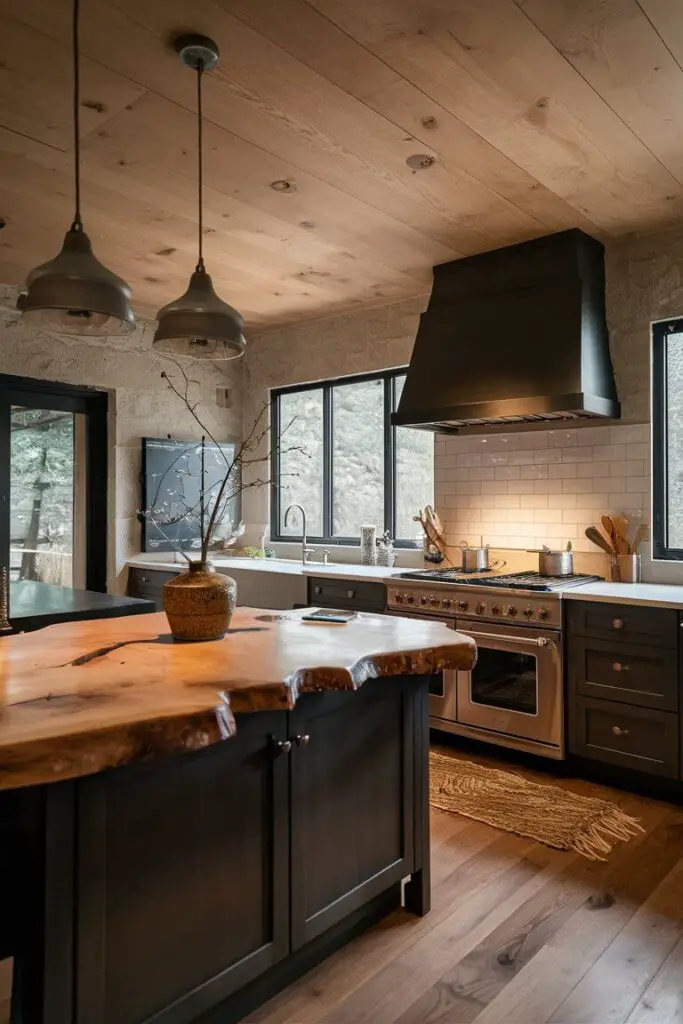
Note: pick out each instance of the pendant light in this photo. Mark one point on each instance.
(199, 323)
(74, 293)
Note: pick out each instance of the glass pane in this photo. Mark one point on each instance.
(414, 474)
(46, 495)
(301, 461)
(506, 680)
(674, 384)
(357, 457)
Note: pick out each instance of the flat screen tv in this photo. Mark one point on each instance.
(172, 473)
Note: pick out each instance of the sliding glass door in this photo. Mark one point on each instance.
(53, 483)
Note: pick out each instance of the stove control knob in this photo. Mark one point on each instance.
(462, 606)
(446, 602)
(398, 598)
(510, 609)
(410, 599)
(528, 612)
(423, 600)
(481, 608)
(542, 613)
(495, 610)
(434, 601)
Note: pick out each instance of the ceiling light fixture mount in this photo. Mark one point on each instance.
(199, 323)
(74, 293)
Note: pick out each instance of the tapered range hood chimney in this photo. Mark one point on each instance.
(513, 338)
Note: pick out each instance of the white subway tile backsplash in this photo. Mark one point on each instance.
(541, 487)
(562, 471)
(507, 472)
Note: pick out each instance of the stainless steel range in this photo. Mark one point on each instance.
(515, 694)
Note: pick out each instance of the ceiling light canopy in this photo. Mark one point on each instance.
(199, 323)
(74, 293)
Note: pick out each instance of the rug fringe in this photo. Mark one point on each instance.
(615, 825)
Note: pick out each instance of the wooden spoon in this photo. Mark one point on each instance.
(608, 527)
(640, 535)
(596, 537)
(620, 524)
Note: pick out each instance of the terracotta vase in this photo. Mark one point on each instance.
(199, 604)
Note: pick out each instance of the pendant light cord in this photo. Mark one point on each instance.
(200, 167)
(77, 224)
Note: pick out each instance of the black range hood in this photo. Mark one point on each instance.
(513, 338)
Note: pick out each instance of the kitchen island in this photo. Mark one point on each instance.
(185, 828)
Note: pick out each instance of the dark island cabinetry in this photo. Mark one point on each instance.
(198, 884)
(623, 673)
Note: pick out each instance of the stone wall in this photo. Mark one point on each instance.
(141, 404)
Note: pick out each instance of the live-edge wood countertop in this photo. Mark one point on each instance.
(80, 697)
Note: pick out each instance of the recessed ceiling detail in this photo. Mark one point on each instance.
(282, 185)
(420, 161)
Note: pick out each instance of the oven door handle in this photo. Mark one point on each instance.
(539, 641)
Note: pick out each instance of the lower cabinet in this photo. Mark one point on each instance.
(199, 873)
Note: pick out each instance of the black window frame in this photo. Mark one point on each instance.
(389, 378)
(94, 404)
(660, 484)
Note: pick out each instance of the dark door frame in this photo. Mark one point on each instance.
(67, 398)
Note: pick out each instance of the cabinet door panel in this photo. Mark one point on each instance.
(184, 897)
(352, 800)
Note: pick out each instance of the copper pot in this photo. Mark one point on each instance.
(199, 603)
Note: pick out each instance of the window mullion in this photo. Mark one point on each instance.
(328, 466)
(389, 458)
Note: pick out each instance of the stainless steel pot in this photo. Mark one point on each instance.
(474, 559)
(555, 563)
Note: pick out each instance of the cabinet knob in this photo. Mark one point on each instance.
(284, 746)
(618, 667)
(144, 579)
(617, 623)
(317, 590)
(617, 731)
(350, 593)
(302, 740)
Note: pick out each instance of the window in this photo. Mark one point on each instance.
(53, 483)
(336, 453)
(667, 436)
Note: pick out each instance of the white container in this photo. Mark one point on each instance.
(368, 545)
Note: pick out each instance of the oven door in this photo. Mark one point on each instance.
(442, 687)
(515, 689)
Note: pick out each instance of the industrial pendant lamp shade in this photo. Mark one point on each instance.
(74, 293)
(199, 323)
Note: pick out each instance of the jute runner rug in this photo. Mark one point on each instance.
(510, 802)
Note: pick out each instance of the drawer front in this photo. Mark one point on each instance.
(631, 623)
(646, 676)
(358, 595)
(148, 583)
(639, 738)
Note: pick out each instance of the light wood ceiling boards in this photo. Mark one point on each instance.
(538, 116)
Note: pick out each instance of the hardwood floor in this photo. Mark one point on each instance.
(519, 934)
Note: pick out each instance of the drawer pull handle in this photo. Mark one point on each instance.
(144, 579)
(284, 746)
(317, 590)
(619, 731)
(618, 667)
(302, 740)
(350, 593)
(617, 623)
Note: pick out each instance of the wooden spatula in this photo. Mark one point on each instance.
(608, 527)
(620, 524)
(639, 537)
(596, 537)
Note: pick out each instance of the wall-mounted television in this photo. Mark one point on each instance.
(172, 475)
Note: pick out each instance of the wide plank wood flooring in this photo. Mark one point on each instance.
(518, 934)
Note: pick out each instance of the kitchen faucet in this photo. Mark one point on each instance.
(305, 551)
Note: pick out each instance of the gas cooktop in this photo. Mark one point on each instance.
(531, 581)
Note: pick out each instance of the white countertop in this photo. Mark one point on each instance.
(284, 566)
(657, 595)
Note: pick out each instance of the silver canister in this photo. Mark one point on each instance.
(626, 568)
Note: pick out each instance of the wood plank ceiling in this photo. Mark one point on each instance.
(536, 115)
